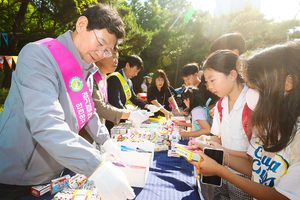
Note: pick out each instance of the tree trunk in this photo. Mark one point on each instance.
(13, 41)
(176, 76)
(53, 29)
(17, 27)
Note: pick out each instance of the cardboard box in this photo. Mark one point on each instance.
(161, 147)
(39, 190)
(172, 153)
(137, 177)
(147, 146)
(58, 184)
(77, 181)
(81, 195)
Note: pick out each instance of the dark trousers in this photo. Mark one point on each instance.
(13, 192)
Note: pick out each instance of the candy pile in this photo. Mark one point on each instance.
(68, 188)
(163, 136)
(78, 186)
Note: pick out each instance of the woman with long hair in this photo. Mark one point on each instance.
(160, 95)
(273, 157)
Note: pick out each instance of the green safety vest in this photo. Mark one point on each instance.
(125, 86)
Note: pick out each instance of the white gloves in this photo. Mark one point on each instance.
(153, 108)
(138, 116)
(112, 148)
(112, 183)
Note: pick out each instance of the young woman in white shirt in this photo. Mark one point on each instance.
(274, 153)
(227, 128)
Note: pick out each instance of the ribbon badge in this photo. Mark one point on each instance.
(76, 84)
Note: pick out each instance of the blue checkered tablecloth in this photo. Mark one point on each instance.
(169, 178)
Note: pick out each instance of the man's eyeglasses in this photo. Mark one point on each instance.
(106, 53)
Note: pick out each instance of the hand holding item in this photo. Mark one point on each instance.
(111, 183)
(208, 166)
(153, 108)
(200, 144)
(167, 114)
(216, 145)
(193, 143)
(112, 148)
(204, 138)
(178, 111)
(183, 133)
(138, 116)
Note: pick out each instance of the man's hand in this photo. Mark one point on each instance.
(138, 116)
(153, 108)
(112, 148)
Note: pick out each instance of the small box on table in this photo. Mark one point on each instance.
(39, 190)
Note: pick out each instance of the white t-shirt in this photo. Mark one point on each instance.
(232, 132)
(197, 114)
(280, 169)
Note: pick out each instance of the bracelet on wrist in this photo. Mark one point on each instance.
(227, 166)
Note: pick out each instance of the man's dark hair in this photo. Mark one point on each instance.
(229, 41)
(134, 60)
(102, 16)
(189, 69)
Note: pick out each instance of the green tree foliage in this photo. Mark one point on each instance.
(137, 38)
(30, 20)
(190, 41)
(173, 38)
(155, 29)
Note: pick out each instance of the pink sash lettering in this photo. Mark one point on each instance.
(102, 85)
(74, 80)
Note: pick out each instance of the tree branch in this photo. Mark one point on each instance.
(8, 7)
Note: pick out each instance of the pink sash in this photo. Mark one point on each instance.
(102, 85)
(74, 80)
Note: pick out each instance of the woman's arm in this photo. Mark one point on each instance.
(174, 104)
(184, 124)
(205, 130)
(240, 154)
(242, 164)
(252, 188)
(163, 110)
(210, 167)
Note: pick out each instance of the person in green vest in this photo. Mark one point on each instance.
(120, 88)
(99, 95)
